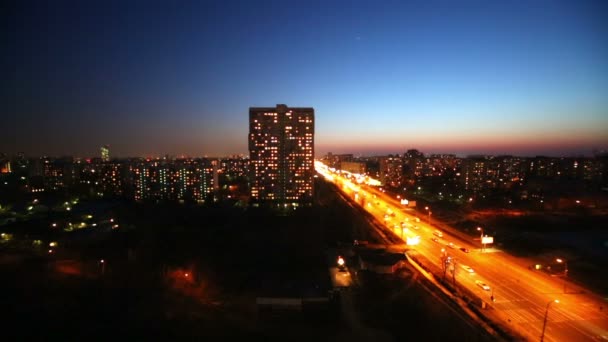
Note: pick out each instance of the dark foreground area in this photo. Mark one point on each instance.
(195, 273)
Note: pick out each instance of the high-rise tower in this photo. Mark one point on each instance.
(281, 150)
(105, 153)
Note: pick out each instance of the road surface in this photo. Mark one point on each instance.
(521, 295)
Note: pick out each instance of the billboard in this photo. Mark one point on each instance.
(487, 240)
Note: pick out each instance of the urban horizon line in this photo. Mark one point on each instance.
(591, 154)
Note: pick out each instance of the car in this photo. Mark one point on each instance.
(482, 285)
(416, 227)
(451, 245)
(466, 250)
(467, 268)
(435, 239)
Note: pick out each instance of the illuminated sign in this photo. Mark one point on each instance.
(487, 240)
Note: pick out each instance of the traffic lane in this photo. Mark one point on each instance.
(542, 285)
(534, 297)
(535, 311)
(379, 210)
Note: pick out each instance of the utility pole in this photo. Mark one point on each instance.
(454, 273)
(565, 262)
(481, 238)
(542, 336)
(445, 259)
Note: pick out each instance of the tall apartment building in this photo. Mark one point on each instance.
(105, 153)
(281, 151)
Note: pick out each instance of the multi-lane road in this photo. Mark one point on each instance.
(521, 296)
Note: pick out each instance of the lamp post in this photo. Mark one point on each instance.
(481, 238)
(429, 211)
(102, 262)
(542, 336)
(454, 272)
(445, 260)
(565, 262)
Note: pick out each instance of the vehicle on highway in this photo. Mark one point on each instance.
(435, 239)
(438, 233)
(482, 285)
(416, 227)
(451, 245)
(467, 268)
(466, 250)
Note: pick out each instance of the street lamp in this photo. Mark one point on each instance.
(565, 262)
(481, 237)
(340, 262)
(542, 336)
(102, 262)
(429, 211)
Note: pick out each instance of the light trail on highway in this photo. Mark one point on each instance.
(521, 295)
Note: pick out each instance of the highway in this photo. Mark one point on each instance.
(522, 296)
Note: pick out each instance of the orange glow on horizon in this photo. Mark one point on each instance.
(537, 145)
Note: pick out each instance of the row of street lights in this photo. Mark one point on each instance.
(447, 260)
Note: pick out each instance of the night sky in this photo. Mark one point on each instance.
(152, 78)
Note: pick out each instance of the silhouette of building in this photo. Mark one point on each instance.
(281, 149)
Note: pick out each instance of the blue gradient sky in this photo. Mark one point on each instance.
(518, 77)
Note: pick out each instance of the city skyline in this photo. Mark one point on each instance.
(470, 78)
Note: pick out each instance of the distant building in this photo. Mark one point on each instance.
(353, 167)
(183, 180)
(105, 153)
(380, 261)
(58, 173)
(391, 170)
(5, 166)
(281, 149)
(336, 160)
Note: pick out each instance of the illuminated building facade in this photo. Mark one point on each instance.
(182, 180)
(281, 151)
(58, 173)
(105, 153)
